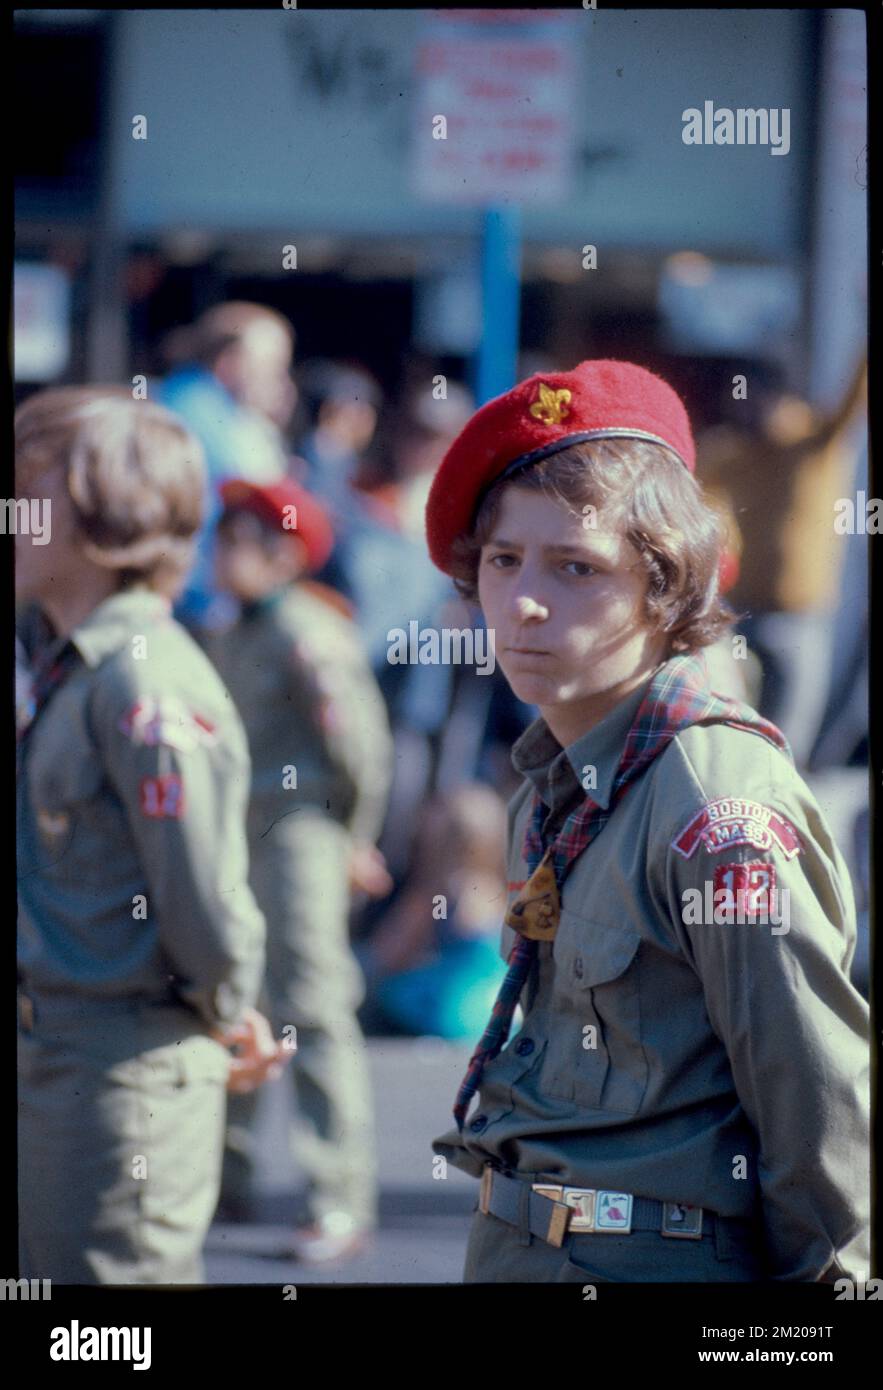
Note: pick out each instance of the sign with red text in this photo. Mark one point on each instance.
(495, 101)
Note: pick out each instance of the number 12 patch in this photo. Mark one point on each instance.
(750, 888)
(162, 797)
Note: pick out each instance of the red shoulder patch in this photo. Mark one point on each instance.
(166, 720)
(733, 820)
(750, 888)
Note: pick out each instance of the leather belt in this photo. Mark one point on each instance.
(555, 1210)
(62, 1007)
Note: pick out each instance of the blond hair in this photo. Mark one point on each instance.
(134, 472)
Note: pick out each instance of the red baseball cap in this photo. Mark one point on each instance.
(272, 502)
(547, 412)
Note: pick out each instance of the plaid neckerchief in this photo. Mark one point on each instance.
(55, 665)
(678, 696)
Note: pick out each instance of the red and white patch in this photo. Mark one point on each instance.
(166, 720)
(750, 888)
(733, 820)
(162, 798)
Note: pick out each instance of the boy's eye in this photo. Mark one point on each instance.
(502, 559)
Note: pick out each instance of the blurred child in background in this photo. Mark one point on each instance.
(434, 961)
(321, 756)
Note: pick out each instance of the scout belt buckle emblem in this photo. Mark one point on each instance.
(681, 1220)
(594, 1210)
(613, 1212)
(582, 1200)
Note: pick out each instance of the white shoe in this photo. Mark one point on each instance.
(335, 1236)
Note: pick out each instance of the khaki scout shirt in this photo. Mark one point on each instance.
(730, 1064)
(132, 792)
(309, 701)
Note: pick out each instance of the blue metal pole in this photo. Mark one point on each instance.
(496, 362)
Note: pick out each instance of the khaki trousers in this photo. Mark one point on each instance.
(299, 875)
(120, 1140)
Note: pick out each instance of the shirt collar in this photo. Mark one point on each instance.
(557, 773)
(109, 626)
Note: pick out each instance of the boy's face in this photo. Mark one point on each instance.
(251, 561)
(257, 370)
(355, 421)
(567, 606)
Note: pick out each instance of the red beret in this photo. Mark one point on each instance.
(270, 501)
(547, 412)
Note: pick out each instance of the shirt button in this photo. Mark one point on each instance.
(478, 1124)
(524, 1047)
(578, 967)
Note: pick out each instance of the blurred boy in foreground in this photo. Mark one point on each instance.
(140, 944)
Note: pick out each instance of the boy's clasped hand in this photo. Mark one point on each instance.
(259, 1057)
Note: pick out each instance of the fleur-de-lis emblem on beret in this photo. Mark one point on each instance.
(551, 405)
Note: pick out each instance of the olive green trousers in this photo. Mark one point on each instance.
(313, 986)
(120, 1140)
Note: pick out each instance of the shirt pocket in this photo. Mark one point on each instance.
(595, 1056)
(63, 778)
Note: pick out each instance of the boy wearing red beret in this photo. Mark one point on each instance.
(685, 1095)
(321, 756)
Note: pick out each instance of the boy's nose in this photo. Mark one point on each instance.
(529, 608)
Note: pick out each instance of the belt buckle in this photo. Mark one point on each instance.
(681, 1221)
(613, 1212)
(582, 1200)
(484, 1192)
(592, 1210)
(561, 1214)
(552, 1190)
(599, 1210)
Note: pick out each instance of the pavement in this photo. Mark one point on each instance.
(424, 1220)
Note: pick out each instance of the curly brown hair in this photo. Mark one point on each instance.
(645, 490)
